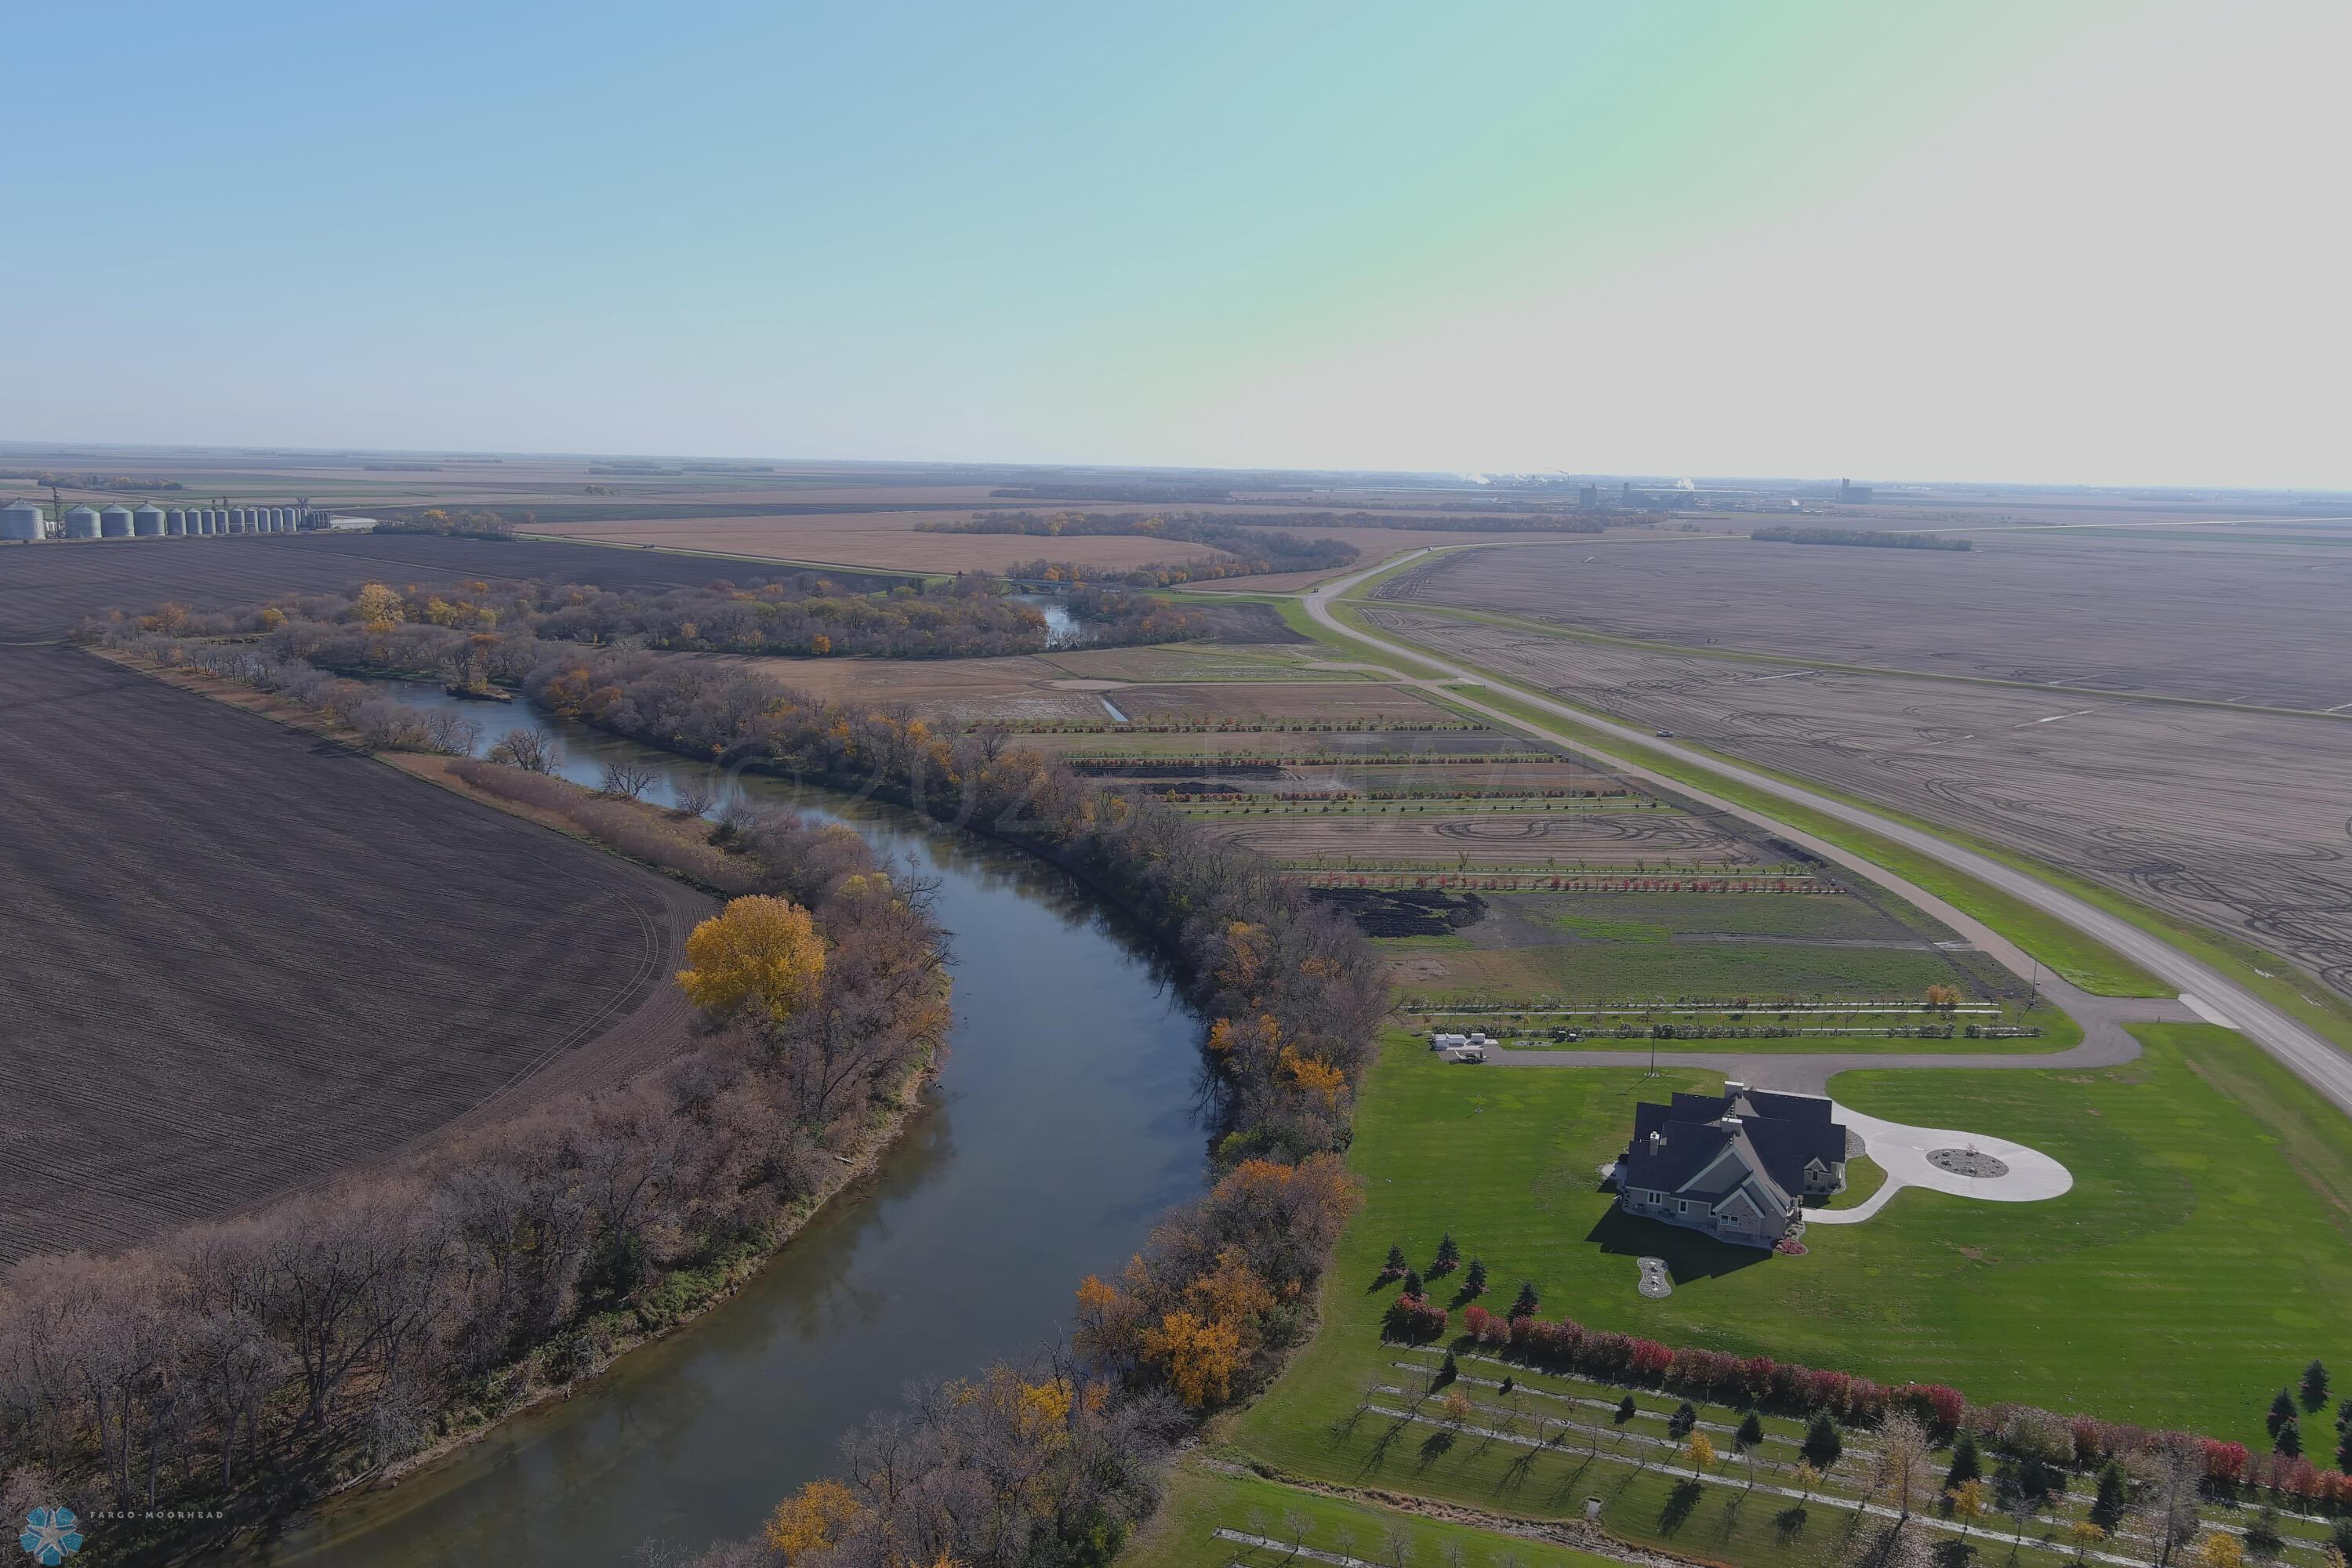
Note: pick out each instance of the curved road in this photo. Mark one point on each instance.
(2205, 992)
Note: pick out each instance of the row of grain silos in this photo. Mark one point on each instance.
(22, 521)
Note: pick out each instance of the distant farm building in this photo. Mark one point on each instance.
(1850, 492)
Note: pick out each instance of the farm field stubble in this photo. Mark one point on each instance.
(48, 590)
(242, 959)
(2236, 821)
(2224, 621)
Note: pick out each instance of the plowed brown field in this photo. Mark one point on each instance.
(238, 959)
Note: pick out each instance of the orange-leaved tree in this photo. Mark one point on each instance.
(760, 956)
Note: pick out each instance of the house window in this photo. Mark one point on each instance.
(1685, 1205)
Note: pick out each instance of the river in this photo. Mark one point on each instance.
(1063, 1122)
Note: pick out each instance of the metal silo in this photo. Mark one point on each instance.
(276, 520)
(82, 523)
(208, 522)
(147, 523)
(21, 520)
(175, 520)
(114, 522)
(239, 520)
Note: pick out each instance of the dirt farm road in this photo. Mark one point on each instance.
(2205, 993)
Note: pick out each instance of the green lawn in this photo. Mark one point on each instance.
(1203, 1498)
(2191, 1271)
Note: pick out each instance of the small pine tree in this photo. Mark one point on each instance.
(2344, 1450)
(1627, 1410)
(2107, 1508)
(1524, 1304)
(1448, 1255)
(1968, 1465)
(1679, 1425)
(2282, 1412)
(1396, 1264)
(1474, 1279)
(1413, 1285)
(1510, 1383)
(2315, 1386)
(1751, 1431)
(1822, 1444)
(1450, 1370)
(2288, 1443)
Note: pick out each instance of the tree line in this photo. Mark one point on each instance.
(1869, 538)
(236, 1371)
(1250, 547)
(1054, 1462)
(804, 613)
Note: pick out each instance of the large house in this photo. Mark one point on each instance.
(1736, 1165)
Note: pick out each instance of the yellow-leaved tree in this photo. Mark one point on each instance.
(760, 956)
(812, 1518)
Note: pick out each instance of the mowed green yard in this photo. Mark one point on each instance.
(2196, 1266)
(1600, 969)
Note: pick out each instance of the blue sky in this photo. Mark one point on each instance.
(2085, 242)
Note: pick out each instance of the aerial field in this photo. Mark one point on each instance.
(244, 959)
(895, 541)
(2228, 621)
(2235, 820)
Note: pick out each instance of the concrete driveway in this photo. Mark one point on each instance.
(1903, 1152)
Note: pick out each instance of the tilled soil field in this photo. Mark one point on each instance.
(48, 590)
(2241, 821)
(2232, 622)
(240, 959)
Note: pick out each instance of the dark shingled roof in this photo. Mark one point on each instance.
(1777, 1136)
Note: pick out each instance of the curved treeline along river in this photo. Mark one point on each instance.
(1064, 1122)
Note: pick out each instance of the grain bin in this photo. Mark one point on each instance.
(82, 523)
(238, 520)
(22, 521)
(175, 520)
(207, 520)
(276, 520)
(147, 523)
(114, 522)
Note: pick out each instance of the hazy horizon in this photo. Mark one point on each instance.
(2087, 246)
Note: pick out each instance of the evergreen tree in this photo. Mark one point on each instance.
(2315, 1386)
(1751, 1431)
(1510, 1383)
(1396, 1264)
(1450, 1371)
(1679, 1425)
(1822, 1444)
(2107, 1508)
(1967, 1464)
(2282, 1412)
(1448, 1255)
(2344, 1450)
(1412, 1285)
(1627, 1410)
(1524, 1304)
(1475, 1280)
(2289, 1440)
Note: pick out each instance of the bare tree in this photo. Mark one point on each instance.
(1396, 1547)
(1900, 1476)
(1298, 1527)
(695, 797)
(625, 780)
(533, 751)
(2171, 1471)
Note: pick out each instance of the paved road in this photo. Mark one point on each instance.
(2205, 992)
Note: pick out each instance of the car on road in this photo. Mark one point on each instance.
(1668, 733)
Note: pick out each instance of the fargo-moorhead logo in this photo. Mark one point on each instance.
(50, 1535)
